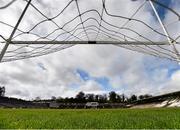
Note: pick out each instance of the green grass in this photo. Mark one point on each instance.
(100, 118)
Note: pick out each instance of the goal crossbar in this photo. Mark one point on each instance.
(90, 42)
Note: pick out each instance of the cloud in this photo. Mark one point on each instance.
(56, 74)
(173, 83)
(90, 87)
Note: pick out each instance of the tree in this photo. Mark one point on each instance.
(141, 97)
(123, 98)
(66, 100)
(112, 96)
(53, 98)
(118, 98)
(97, 98)
(80, 97)
(2, 91)
(132, 98)
(90, 97)
(103, 98)
(37, 99)
(71, 100)
(60, 99)
(147, 96)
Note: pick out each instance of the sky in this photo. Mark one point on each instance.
(96, 69)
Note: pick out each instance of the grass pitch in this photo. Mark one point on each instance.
(90, 118)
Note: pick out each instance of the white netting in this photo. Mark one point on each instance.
(126, 23)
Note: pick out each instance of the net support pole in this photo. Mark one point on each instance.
(171, 42)
(13, 32)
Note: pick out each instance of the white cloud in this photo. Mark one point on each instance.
(90, 86)
(126, 70)
(173, 84)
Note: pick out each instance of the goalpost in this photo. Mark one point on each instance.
(87, 29)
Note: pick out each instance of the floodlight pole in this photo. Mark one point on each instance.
(171, 42)
(13, 32)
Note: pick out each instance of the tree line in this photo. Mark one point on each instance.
(111, 97)
(81, 97)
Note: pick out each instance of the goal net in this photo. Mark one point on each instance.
(31, 28)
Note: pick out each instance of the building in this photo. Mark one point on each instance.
(92, 105)
(54, 105)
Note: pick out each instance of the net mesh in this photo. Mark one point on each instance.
(54, 25)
